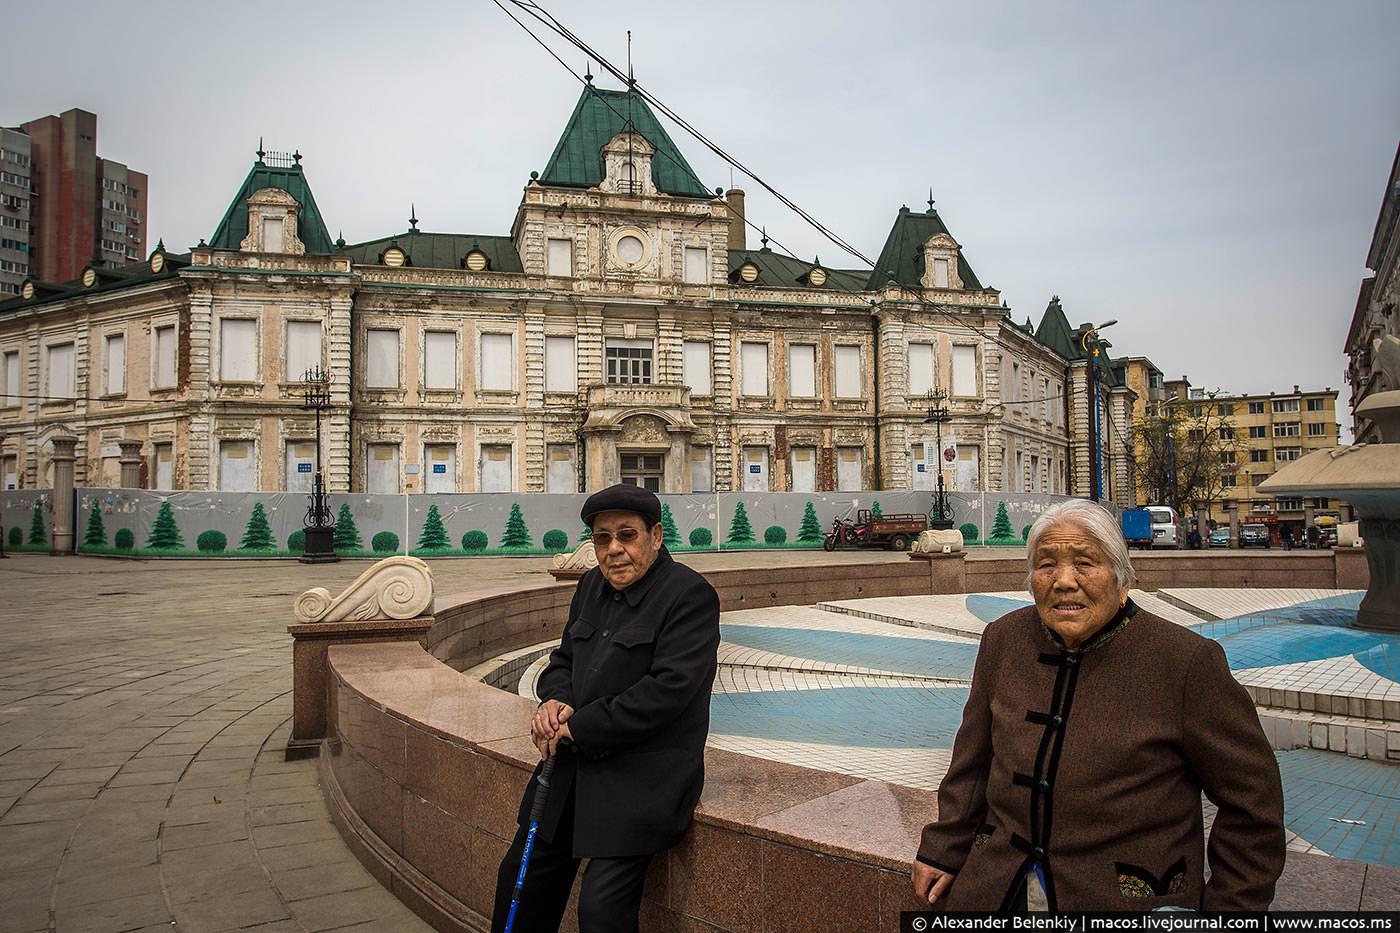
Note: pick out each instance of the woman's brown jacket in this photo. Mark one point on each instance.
(1090, 764)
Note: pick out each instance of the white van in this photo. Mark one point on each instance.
(1165, 528)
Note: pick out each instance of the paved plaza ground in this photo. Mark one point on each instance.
(144, 707)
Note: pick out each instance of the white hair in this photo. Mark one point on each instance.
(1095, 521)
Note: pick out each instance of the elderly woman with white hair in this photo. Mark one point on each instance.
(1091, 729)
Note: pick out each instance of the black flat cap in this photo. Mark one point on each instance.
(623, 497)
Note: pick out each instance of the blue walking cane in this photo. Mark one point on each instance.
(536, 813)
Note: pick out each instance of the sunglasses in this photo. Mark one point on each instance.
(624, 535)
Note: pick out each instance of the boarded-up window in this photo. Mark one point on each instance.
(496, 468)
(560, 370)
(165, 466)
(848, 468)
(9, 472)
(964, 370)
(848, 382)
(237, 466)
(697, 265)
(272, 234)
(382, 360)
(701, 469)
(940, 273)
(440, 468)
(923, 466)
(300, 466)
(804, 469)
(382, 469)
(560, 258)
(60, 371)
(165, 356)
(802, 370)
(497, 362)
(11, 375)
(440, 359)
(238, 350)
(755, 465)
(115, 363)
(753, 360)
(559, 469)
(303, 348)
(920, 368)
(697, 366)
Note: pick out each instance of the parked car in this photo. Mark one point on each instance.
(1254, 536)
(1220, 537)
(1165, 530)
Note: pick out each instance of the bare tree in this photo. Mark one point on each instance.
(1183, 454)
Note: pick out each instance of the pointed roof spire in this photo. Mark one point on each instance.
(261, 153)
(764, 238)
(340, 240)
(631, 78)
(160, 245)
(412, 217)
(588, 73)
(930, 200)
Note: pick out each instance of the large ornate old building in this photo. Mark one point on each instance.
(622, 330)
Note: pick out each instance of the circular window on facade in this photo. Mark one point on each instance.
(629, 249)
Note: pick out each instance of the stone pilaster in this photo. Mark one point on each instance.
(534, 398)
(199, 472)
(336, 426)
(63, 457)
(1080, 463)
(131, 464)
(722, 386)
(892, 376)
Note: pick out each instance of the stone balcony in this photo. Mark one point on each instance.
(666, 396)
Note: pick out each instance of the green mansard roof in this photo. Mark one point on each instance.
(600, 115)
(902, 259)
(781, 270)
(311, 229)
(439, 250)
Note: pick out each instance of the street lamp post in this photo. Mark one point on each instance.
(3, 435)
(941, 515)
(318, 528)
(1092, 345)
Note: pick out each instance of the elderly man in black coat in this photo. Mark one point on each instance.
(625, 708)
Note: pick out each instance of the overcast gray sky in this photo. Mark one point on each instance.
(1207, 173)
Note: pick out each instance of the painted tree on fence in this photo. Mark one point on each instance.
(669, 535)
(257, 536)
(584, 535)
(434, 536)
(96, 534)
(811, 529)
(1001, 525)
(347, 536)
(740, 532)
(875, 511)
(165, 534)
(517, 535)
(36, 525)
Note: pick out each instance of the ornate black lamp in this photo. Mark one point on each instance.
(941, 515)
(319, 529)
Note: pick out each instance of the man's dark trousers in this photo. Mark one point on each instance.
(608, 900)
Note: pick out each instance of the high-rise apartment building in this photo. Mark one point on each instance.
(63, 207)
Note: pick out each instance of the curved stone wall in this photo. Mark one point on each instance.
(424, 768)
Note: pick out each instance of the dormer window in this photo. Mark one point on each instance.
(817, 277)
(627, 164)
(940, 258)
(272, 223)
(475, 261)
(394, 257)
(748, 272)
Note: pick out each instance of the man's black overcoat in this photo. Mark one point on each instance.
(637, 667)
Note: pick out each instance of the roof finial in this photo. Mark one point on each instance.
(764, 239)
(340, 240)
(160, 245)
(296, 156)
(260, 149)
(816, 260)
(930, 200)
(588, 72)
(412, 217)
(631, 79)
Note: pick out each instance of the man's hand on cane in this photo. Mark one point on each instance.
(548, 728)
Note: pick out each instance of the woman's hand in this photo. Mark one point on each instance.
(930, 883)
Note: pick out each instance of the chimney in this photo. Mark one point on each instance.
(738, 239)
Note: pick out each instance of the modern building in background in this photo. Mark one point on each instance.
(1377, 313)
(63, 207)
(622, 328)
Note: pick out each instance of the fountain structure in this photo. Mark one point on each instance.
(1368, 477)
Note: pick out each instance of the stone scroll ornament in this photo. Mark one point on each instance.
(584, 557)
(394, 588)
(935, 541)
